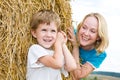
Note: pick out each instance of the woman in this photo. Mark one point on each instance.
(90, 44)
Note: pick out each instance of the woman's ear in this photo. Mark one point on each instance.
(33, 32)
(98, 38)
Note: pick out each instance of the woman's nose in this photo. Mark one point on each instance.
(86, 32)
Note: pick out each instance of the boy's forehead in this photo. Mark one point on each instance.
(51, 25)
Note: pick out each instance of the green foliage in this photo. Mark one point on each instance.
(90, 78)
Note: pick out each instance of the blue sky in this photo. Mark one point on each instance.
(110, 9)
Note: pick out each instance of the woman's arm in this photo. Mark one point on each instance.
(82, 70)
(73, 40)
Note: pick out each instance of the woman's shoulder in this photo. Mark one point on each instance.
(103, 53)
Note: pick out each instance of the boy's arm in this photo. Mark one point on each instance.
(75, 53)
(70, 63)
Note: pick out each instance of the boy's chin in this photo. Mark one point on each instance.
(48, 47)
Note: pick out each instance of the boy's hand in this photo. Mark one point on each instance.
(65, 36)
(60, 38)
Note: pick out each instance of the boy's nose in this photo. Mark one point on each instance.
(49, 33)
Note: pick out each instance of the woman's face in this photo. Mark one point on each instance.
(88, 33)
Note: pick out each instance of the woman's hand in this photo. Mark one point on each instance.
(76, 72)
(71, 36)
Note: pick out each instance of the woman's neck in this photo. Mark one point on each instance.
(87, 47)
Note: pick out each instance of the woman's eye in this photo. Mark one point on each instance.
(93, 31)
(84, 27)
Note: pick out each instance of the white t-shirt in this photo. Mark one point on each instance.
(38, 71)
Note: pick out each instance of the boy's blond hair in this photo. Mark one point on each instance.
(45, 16)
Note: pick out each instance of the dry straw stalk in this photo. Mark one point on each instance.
(15, 37)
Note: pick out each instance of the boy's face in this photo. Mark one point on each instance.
(46, 34)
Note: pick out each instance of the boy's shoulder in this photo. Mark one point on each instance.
(35, 46)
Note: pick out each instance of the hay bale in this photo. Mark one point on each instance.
(15, 37)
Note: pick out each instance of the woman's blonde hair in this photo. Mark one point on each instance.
(101, 44)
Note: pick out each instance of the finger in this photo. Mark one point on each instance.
(69, 29)
(64, 34)
(71, 40)
(70, 33)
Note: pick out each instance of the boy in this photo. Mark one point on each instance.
(50, 56)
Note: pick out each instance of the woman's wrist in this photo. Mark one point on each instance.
(74, 43)
(79, 65)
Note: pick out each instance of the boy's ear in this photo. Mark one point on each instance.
(33, 32)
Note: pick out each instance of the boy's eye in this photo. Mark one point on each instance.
(44, 30)
(53, 30)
